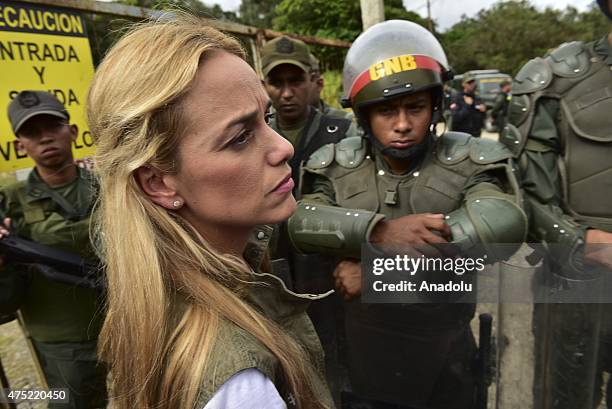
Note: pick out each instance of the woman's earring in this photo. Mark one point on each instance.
(177, 204)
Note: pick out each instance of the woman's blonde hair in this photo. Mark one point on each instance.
(136, 117)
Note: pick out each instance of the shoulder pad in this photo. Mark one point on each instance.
(453, 147)
(333, 124)
(322, 157)
(569, 59)
(350, 152)
(534, 76)
(512, 138)
(484, 151)
(519, 109)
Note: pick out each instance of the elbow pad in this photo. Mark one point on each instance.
(331, 230)
(482, 222)
(563, 238)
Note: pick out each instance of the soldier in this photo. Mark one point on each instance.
(318, 84)
(500, 107)
(288, 79)
(449, 94)
(468, 110)
(53, 207)
(560, 128)
(404, 180)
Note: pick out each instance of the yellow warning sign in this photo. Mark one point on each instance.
(43, 48)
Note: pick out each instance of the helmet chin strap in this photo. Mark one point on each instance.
(411, 153)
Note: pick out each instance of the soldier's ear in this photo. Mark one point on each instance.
(320, 82)
(158, 187)
(74, 132)
(19, 146)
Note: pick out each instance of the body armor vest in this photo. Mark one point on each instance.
(388, 340)
(586, 136)
(435, 187)
(576, 76)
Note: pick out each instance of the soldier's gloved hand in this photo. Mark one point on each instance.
(5, 230)
(600, 251)
(421, 228)
(348, 278)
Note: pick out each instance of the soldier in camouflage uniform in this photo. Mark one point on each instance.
(500, 107)
(560, 129)
(404, 180)
(53, 207)
(288, 79)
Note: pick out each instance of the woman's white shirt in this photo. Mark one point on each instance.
(248, 389)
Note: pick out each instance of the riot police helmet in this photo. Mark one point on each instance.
(393, 58)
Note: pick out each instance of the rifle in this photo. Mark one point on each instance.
(55, 264)
(483, 360)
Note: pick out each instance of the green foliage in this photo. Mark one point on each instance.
(336, 19)
(104, 30)
(505, 36)
(510, 33)
(332, 92)
(258, 13)
(394, 9)
(340, 19)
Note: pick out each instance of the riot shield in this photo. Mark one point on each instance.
(549, 344)
(554, 350)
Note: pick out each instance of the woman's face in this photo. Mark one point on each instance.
(233, 171)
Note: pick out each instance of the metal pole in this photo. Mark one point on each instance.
(372, 12)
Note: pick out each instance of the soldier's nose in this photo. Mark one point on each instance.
(286, 92)
(403, 123)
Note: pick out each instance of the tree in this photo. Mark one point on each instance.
(258, 13)
(105, 30)
(509, 34)
(339, 19)
(336, 19)
(394, 9)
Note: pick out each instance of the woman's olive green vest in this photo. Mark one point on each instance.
(235, 349)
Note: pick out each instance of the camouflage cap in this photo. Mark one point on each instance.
(285, 50)
(28, 104)
(314, 63)
(468, 77)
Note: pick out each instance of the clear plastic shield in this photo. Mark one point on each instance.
(542, 343)
(553, 352)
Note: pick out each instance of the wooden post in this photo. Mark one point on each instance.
(372, 12)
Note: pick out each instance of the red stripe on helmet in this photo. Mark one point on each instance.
(421, 62)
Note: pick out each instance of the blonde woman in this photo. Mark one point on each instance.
(188, 167)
